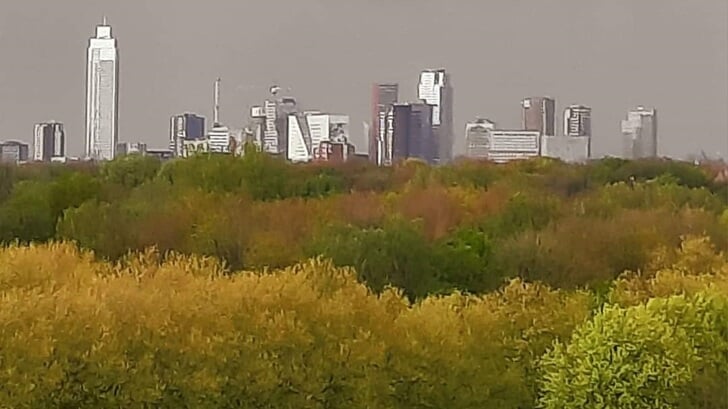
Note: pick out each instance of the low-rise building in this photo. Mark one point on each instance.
(194, 147)
(131, 148)
(14, 152)
(161, 154)
(572, 149)
(476, 138)
(509, 145)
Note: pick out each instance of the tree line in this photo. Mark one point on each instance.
(469, 226)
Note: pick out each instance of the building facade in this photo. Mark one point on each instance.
(219, 139)
(335, 152)
(131, 148)
(570, 149)
(575, 144)
(639, 133)
(311, 132)
(272, 122)
(435, 88)
(14, 152)
(477, 138)
(508, 145)
(383, 97)
(49, 141)
(102, 95)
(539, 115)
(161, 154)
(270, 129)
(577, 121)
(410, 134)
(256, 127)
(185, 127)
(194, 147)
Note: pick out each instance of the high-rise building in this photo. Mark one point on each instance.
(49, 141)
(276, 111)
(299, 138)
(575, 144)
(219, 136)
(383, 96)
(219, 139)
(185, 127)
(577, 121)
(285, 107)
(435, 88)
(102, 95)
(13, 152)
(256, 128)
(308, 131)
(410, 134)
(639, 133)
(539, 114)
(477, 138)
(270, 131)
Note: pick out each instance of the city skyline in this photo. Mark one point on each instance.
(605, 74)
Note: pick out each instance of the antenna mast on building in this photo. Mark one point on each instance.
(216, 107)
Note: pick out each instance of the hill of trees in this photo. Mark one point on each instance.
(221, 282)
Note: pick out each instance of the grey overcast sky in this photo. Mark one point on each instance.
(609, 54)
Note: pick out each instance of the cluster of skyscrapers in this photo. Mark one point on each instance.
(397, 130)
(537, 135)
(420, 129)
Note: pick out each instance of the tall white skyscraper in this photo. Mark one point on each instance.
(435, 88)
(102, 95)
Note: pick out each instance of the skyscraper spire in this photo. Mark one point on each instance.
(216, 106)
(103, 23)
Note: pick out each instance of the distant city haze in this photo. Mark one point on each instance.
(610, 55)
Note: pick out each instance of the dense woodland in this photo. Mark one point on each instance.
(222, 282)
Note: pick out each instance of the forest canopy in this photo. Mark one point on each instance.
(221, 282)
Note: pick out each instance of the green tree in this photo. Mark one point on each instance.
(463, 261)
(647, 356)
(396, 254)
(7, 180)
(131, 171)
(27, 215)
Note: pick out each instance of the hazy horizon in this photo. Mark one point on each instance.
(612, 56)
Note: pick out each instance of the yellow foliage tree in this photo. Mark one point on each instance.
(169, 331)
